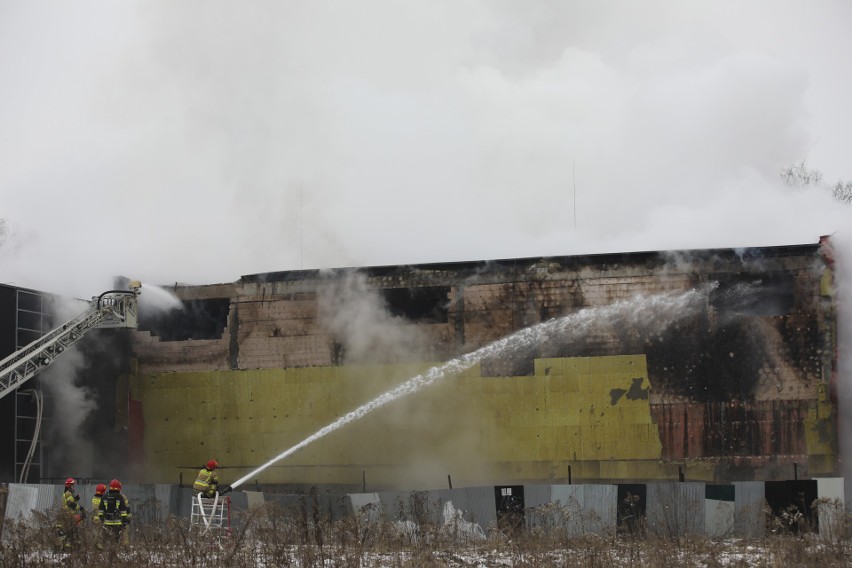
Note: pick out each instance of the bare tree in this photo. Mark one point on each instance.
(799, 176)
(842, 192)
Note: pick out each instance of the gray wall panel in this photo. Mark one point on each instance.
(399, 505)
(554, 507)
(536, 496)
(672, 508)
(367, 504)
(327, 506)
(183, 502)
(831, 507)
(476, 503)
(600, 504)
(21, 501)
(163, 494)
(719, 518)
(575, 509)
(749, 503)
(144, 507)
(675, 509)
(254, 498)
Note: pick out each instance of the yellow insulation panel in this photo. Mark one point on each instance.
(475, 428)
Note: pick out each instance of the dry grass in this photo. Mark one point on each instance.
(274, 536)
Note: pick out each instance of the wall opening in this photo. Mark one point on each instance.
(428, 304)
(510, 507)
(195, 319)
(766, 295)
(630, 512)
(792, 505)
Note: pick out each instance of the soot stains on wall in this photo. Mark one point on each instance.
(735, 382)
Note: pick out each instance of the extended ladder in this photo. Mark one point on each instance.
(210, 515)
(114, 308)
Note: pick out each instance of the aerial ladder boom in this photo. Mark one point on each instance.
(112, 309)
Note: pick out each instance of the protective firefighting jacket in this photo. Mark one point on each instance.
(207, 482)
(114, 509)
(96, 505)
(70, 502)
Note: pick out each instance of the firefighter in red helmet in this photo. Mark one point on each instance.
(207, 482)
(70, 517)
(114, 512)
(100, 490)
(71, 500)
(96, 501)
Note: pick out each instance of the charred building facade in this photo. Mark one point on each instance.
(706, 365)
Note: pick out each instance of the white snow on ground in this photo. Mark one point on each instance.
(580, 552)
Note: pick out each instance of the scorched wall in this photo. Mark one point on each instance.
(739, 388)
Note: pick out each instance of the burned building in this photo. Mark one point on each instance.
(706, 365)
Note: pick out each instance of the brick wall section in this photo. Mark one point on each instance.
(156, 356)
(282, 332)
(278, 322)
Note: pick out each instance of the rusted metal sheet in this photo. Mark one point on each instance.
(732, 428)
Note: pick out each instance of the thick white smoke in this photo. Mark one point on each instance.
(199, 141)
(365, 329)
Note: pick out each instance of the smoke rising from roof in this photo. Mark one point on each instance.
(198, 142)
(365, 330)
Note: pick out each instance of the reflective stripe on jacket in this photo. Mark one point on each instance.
(69, 501)
(114, 509)
(206, 482)
(96, 504)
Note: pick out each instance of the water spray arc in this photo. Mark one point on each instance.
(654, 312)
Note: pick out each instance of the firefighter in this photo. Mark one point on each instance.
(70, 517)
(207, 482)
(71, 501)
(96, 501)
(96, 519)
(114, 512)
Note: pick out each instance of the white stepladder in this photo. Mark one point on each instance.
(210, 516)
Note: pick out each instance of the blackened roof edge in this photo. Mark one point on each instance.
(568, 260)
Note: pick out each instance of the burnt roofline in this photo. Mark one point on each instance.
(566, 261)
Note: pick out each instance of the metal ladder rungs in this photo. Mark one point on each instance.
(209, 514)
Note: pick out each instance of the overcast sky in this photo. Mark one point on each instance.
(198, 141)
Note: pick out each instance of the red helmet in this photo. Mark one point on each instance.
(115, 485)
(70, 481)
(101, 489)
(212, 464)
